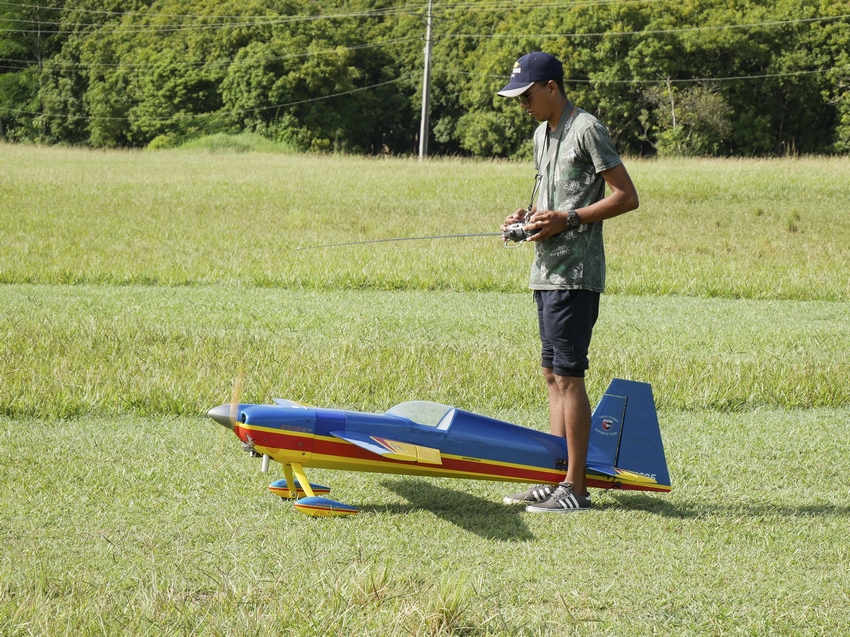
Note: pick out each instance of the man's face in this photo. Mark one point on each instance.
(536, 100)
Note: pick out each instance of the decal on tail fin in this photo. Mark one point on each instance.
(625, 438)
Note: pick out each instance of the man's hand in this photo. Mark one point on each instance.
(516, 217)
(546, 223)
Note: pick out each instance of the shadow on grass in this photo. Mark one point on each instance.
(658, 505)
(695, 510)
(490, 519)
(486, 518)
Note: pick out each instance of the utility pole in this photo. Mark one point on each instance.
(426, 89)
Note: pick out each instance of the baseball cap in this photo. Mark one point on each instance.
(531, 68)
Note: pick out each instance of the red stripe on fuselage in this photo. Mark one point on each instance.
(342, 450)
(467, 468)
(337, 452)
(276, 440)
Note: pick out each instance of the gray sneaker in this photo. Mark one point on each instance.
(537, 493)
(562, 500)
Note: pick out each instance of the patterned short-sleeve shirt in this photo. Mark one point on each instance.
(570, 160)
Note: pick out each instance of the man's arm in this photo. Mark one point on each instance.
(622, 198)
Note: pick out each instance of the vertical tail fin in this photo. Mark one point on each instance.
(626, 450)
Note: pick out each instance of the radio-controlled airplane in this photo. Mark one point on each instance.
(429, 439)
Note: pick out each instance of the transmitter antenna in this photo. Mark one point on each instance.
(440, 236)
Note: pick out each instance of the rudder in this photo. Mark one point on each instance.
(625, 433)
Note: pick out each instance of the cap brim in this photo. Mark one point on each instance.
(514, 91)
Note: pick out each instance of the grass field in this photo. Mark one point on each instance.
(728, 229)
(134, 287)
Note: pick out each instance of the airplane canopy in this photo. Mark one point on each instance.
(424, 412)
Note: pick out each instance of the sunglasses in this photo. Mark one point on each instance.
(523, 99)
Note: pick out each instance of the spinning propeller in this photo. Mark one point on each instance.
(226, 415)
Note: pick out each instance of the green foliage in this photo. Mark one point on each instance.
(482, 134)
(693, 122)
(26, 48)
(119, 73)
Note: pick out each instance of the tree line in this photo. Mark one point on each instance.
(680, 77)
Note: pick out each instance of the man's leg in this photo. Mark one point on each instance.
(566, 319)
(569, 417)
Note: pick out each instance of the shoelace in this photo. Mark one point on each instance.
(561, 492)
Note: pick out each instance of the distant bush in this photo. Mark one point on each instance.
(241, 143)
(160, 142)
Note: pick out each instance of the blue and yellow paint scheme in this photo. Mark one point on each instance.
(429, 439)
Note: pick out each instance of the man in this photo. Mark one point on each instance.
(575, 160)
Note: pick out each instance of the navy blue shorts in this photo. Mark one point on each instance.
(566, 319)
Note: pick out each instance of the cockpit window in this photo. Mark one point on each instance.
(424, 413)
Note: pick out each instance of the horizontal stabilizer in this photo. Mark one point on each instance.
(391, 449)
(602, 469)
(622, 476)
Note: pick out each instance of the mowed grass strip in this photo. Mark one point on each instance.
(163, 526)
(762, 229)
(74, 351)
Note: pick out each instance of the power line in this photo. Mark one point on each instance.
(217, 61)
(643, 32)
(407, 9)
(278, 20)
(266, 20)
(529, 5)
(64, 9)
(258, 21)
(568, 80)
(532, 5)
(219, 112)
(409, 75)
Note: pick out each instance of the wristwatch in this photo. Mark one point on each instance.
(573, 221)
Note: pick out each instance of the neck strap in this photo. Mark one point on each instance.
(550, 151)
